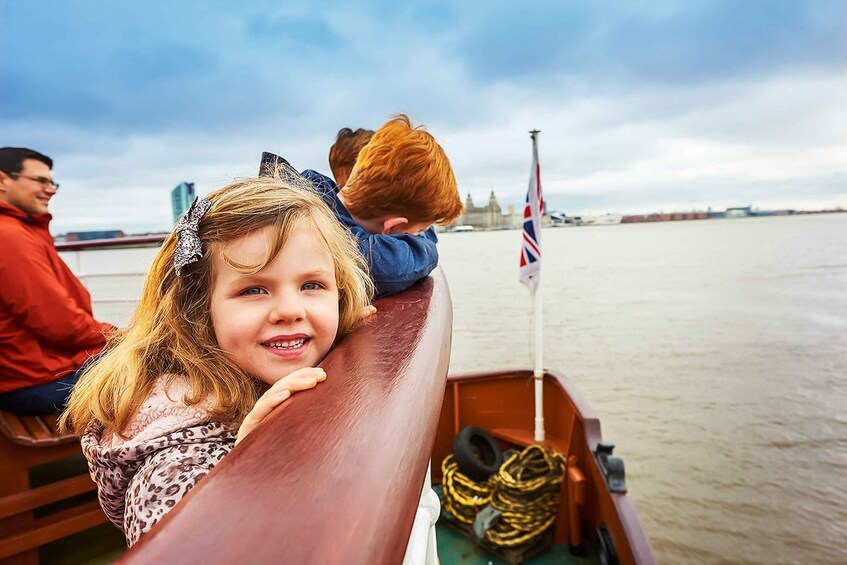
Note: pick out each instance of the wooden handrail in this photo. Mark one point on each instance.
(335, 475)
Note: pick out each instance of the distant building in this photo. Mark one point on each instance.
(738, 212)
(671, 217)
(515, 220)
(490, 216)
(89, 235)
(181, 198)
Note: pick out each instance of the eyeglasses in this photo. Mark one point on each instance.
(40, 180)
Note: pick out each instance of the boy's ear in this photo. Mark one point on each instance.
(394, 224)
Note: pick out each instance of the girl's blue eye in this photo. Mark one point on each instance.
(252, 290)
(312, 286)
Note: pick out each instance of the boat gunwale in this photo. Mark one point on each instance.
(639, 545)
(117, 242)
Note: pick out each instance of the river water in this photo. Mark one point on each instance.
(715, 355)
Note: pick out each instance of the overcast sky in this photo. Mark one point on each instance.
(642, 106)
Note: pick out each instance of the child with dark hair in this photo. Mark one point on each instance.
(343, 153)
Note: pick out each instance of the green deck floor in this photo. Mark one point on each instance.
(100, 545)
(104, 544)
(455, 549)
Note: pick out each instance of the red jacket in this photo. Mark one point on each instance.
(46, 324)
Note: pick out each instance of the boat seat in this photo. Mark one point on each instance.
(35, 431)
(31, 516)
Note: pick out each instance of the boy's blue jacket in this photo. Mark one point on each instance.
(396, 261)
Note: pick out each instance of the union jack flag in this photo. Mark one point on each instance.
(530, 270)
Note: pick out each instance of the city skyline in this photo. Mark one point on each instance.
(517, 213)
(665, 106)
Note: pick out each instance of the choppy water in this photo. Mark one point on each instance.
(714, 353)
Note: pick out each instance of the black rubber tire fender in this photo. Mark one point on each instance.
(477, 453)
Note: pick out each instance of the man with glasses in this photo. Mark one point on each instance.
(47, 330)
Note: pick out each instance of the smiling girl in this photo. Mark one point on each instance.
(249, 293)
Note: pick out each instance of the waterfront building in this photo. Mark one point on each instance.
(181, 198)
(669, 217)
(92, 235)
(738, 212)
(490, 216)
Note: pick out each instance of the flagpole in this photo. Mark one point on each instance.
(538, 373)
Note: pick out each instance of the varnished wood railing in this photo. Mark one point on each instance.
(128, 241)
(335, 475)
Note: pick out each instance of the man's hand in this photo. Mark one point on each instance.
(301, 379)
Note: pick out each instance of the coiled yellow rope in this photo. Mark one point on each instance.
(463, 497)
(525, 490)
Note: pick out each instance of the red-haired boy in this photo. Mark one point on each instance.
(402, 184)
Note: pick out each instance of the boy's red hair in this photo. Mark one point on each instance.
(403, 171)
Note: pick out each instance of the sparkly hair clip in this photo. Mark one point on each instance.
(188, 246)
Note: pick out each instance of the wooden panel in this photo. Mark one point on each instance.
(60, 490)
(525, 437)
(69, 514)
(335, 475)
(19, 531)
(13, 545)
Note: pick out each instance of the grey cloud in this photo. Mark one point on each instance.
(616, 133)
(662, 43)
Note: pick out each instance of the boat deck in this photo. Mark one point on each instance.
(101, 545)
(456, 549)
(104, 544)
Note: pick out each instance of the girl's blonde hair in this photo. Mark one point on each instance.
(171, 331)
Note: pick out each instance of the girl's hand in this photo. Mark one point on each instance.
(301, 379)
(368, 311)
